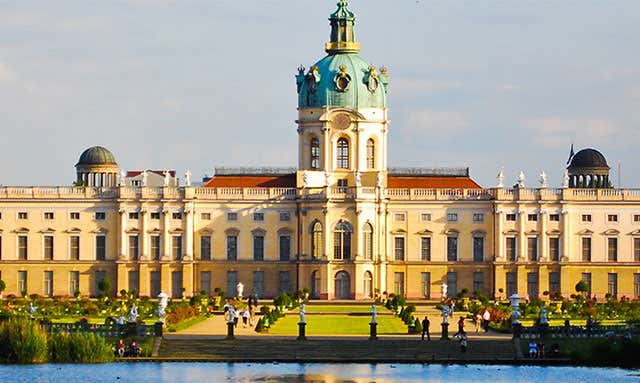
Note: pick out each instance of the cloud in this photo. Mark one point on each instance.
(411, 85)
(440, 122)
(6, 74)
(557, 132)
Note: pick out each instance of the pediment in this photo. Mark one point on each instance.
(73, 230)
(451, 232)
(21, 230)
(611, 232)
(232, 231)
(510, 232)
(285, 231)
(554, 232)
(47, 230)
(425, 232)
(398, 231)
(635, 232)
(206, 230)
(100, 230)
(133, 230)
(585, 232)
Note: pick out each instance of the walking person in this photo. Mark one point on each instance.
(460, 327)
(486, 317)
(246, 316)
(425, 328)
(478, 322)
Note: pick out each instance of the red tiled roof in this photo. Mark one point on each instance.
(249, 181)
(432, 182)
(135, 173)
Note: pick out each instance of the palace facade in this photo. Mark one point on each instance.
(342, 223)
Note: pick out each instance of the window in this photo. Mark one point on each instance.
(636, 249)
(258, 247)
(342, 186)
(134, 215)
(452, 249)
(155, 248)
(155, 215)
(636, 218)
(554, 217)
(636, 286)
(425, 285)
(425, 217)
(48, 247)
(367, 288)
(511, 249)
(285, 248)
(22, 282)
(342, 241)
(176, 215)
(315, 153)
(176, 247)
(343, 154)
(371, 154)
(74, 248)
(154, 281)
(101, 247)
(532, 248)
(48, 216)
(74, 282)
(398, 284)
(554, 249)
(511, 217)
(134, 281)
(99, 276)
(478, 249)
(367, 232)
(284, 216)
(205, 248)
(100, 216)
(74, 215)
(511, 283)
(258, 283)
(400, 217)
(452, 217)
(22, 247)
(532, 217)
(232, 216)
(232, 247)
(316, 241)
(176, 284)
(532, 285)
(586, 277)
(586, 249)
(612, 218)
(258, 217)
(554, 282)
(23, 215)
(205, 216)
(285, 282)
(612, 285)
(399, 248)
(612, 249)
(452, 283)
(134, 248)
(478, 282)
(425, 248)
(586, 218)
(48, 283)
(478, 217)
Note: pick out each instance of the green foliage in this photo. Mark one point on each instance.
(418, 325)
(105, 286)
(582, 287)
(604, 352)
(3, 286)
(79, 348)
(22, 341)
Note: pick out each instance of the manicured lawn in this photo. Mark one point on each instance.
(338, 325)
(339, 309)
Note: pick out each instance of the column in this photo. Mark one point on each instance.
(165, 279)
(123, 234)
(522, 239)
(166, 238)
(143, 280)
(187, 279)
(566, 233)
(122, 279)
(498, 235)
(544, 242)
(188, 235)
(356, 236)
(144, 237)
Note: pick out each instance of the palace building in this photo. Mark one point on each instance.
(342, 223)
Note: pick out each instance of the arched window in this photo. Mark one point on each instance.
(343, 154)
(342, 241)
(315, 284)
(368, 285)
(371, 154)
(315, 153)
(316, 240)
(367, 236)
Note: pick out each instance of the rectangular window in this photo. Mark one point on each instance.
(636, 286)
(586, 277)
(232, 216)
(176, 215)
(343, 185)
(554, 217)
(134, 247)
(425, 248)
(511, 249)
(285, 248)
(74, 216)
(532, 217)
(74, 282)
(612, 249)
(554, 249)
(478, 282)
(636, 249)
(48, 247)
(74, 247)
(284, 216)
(532, 285)
(258, 248)
(155, 248)
(452, 249)
(205, 248)
(452, 217)
(425, 285)
(205, 282)
(154, 280)
(22, 247)
(586, 217)
(478, 217)
(100, 216)
(48, 216)
(511, 217)
(176, 247)
(101, 247)
(425, 217)
(99, 276)
(399, 248)
(612, 218)
(258, 283)
(368, 242)
(205, 216)
(285, 282)
(48, 283)
(134, 281)
(612, 285)
(258, 217)
(478, 249)
(232, 247)
(176, 284)
(511, 283)
(398, 284)
(155, 215)
(22, 282)
(452, 283)
(532, 248)
(23, 215)
(636, 218)
(134, 215)
(586, 249)
(400, 217)
(554, 282)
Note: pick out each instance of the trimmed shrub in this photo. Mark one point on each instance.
(23, 342)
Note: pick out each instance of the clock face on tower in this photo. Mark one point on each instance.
(342, 121)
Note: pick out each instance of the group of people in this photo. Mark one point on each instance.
(133, 351)
(481, 321)
(232, 313)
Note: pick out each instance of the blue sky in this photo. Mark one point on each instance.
(193, 84)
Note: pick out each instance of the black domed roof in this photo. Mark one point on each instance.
(97, 155)
(588, 158)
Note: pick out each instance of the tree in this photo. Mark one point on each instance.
(105, 286)
(3, 285)
(582, 287)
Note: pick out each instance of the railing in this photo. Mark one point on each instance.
(245, 193)
(439, 194)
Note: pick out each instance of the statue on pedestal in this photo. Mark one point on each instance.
(302, 313)
(521, 179)
(500, 178)
(444, 289)
(544, 318)
(445, 314)
(543, 180)
(187, 178)
(167, 178)
(565, 179)
(374, 314)
(239, 289)
(163, 301)
(133, 314)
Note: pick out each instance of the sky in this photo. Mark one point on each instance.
(193, 84)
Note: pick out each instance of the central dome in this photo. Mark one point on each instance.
(97, 155)
(588, 158)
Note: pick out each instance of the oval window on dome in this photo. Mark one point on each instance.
(342, 82)
(373, 84)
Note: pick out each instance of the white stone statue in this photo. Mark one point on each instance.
(302, 313)
(133, 314)
(32, 309)
(305, 179)
(445, 314)
(521, 179)
(167, 178)
(379, 180)
(500, 178)
(358, 179)
(543, 180)
(121, 178)
(232, 314)
(544, 318)
(145, 178)
(444, 288)
(565, 179)
(163, 302)
(374, 314)
(187, 178)
(239, 289)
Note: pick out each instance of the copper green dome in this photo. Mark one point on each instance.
(97, 155)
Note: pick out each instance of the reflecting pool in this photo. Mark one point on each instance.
(308, 373)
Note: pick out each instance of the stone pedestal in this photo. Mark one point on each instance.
(302, 331)
(158, 329)
(373, 331)
(445, 331)
(230, 328)
(517, 330)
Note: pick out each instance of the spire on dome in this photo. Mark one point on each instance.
(342, 36)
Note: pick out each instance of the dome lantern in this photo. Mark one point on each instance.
(97, 167)
(588, 168)
(342, 35)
